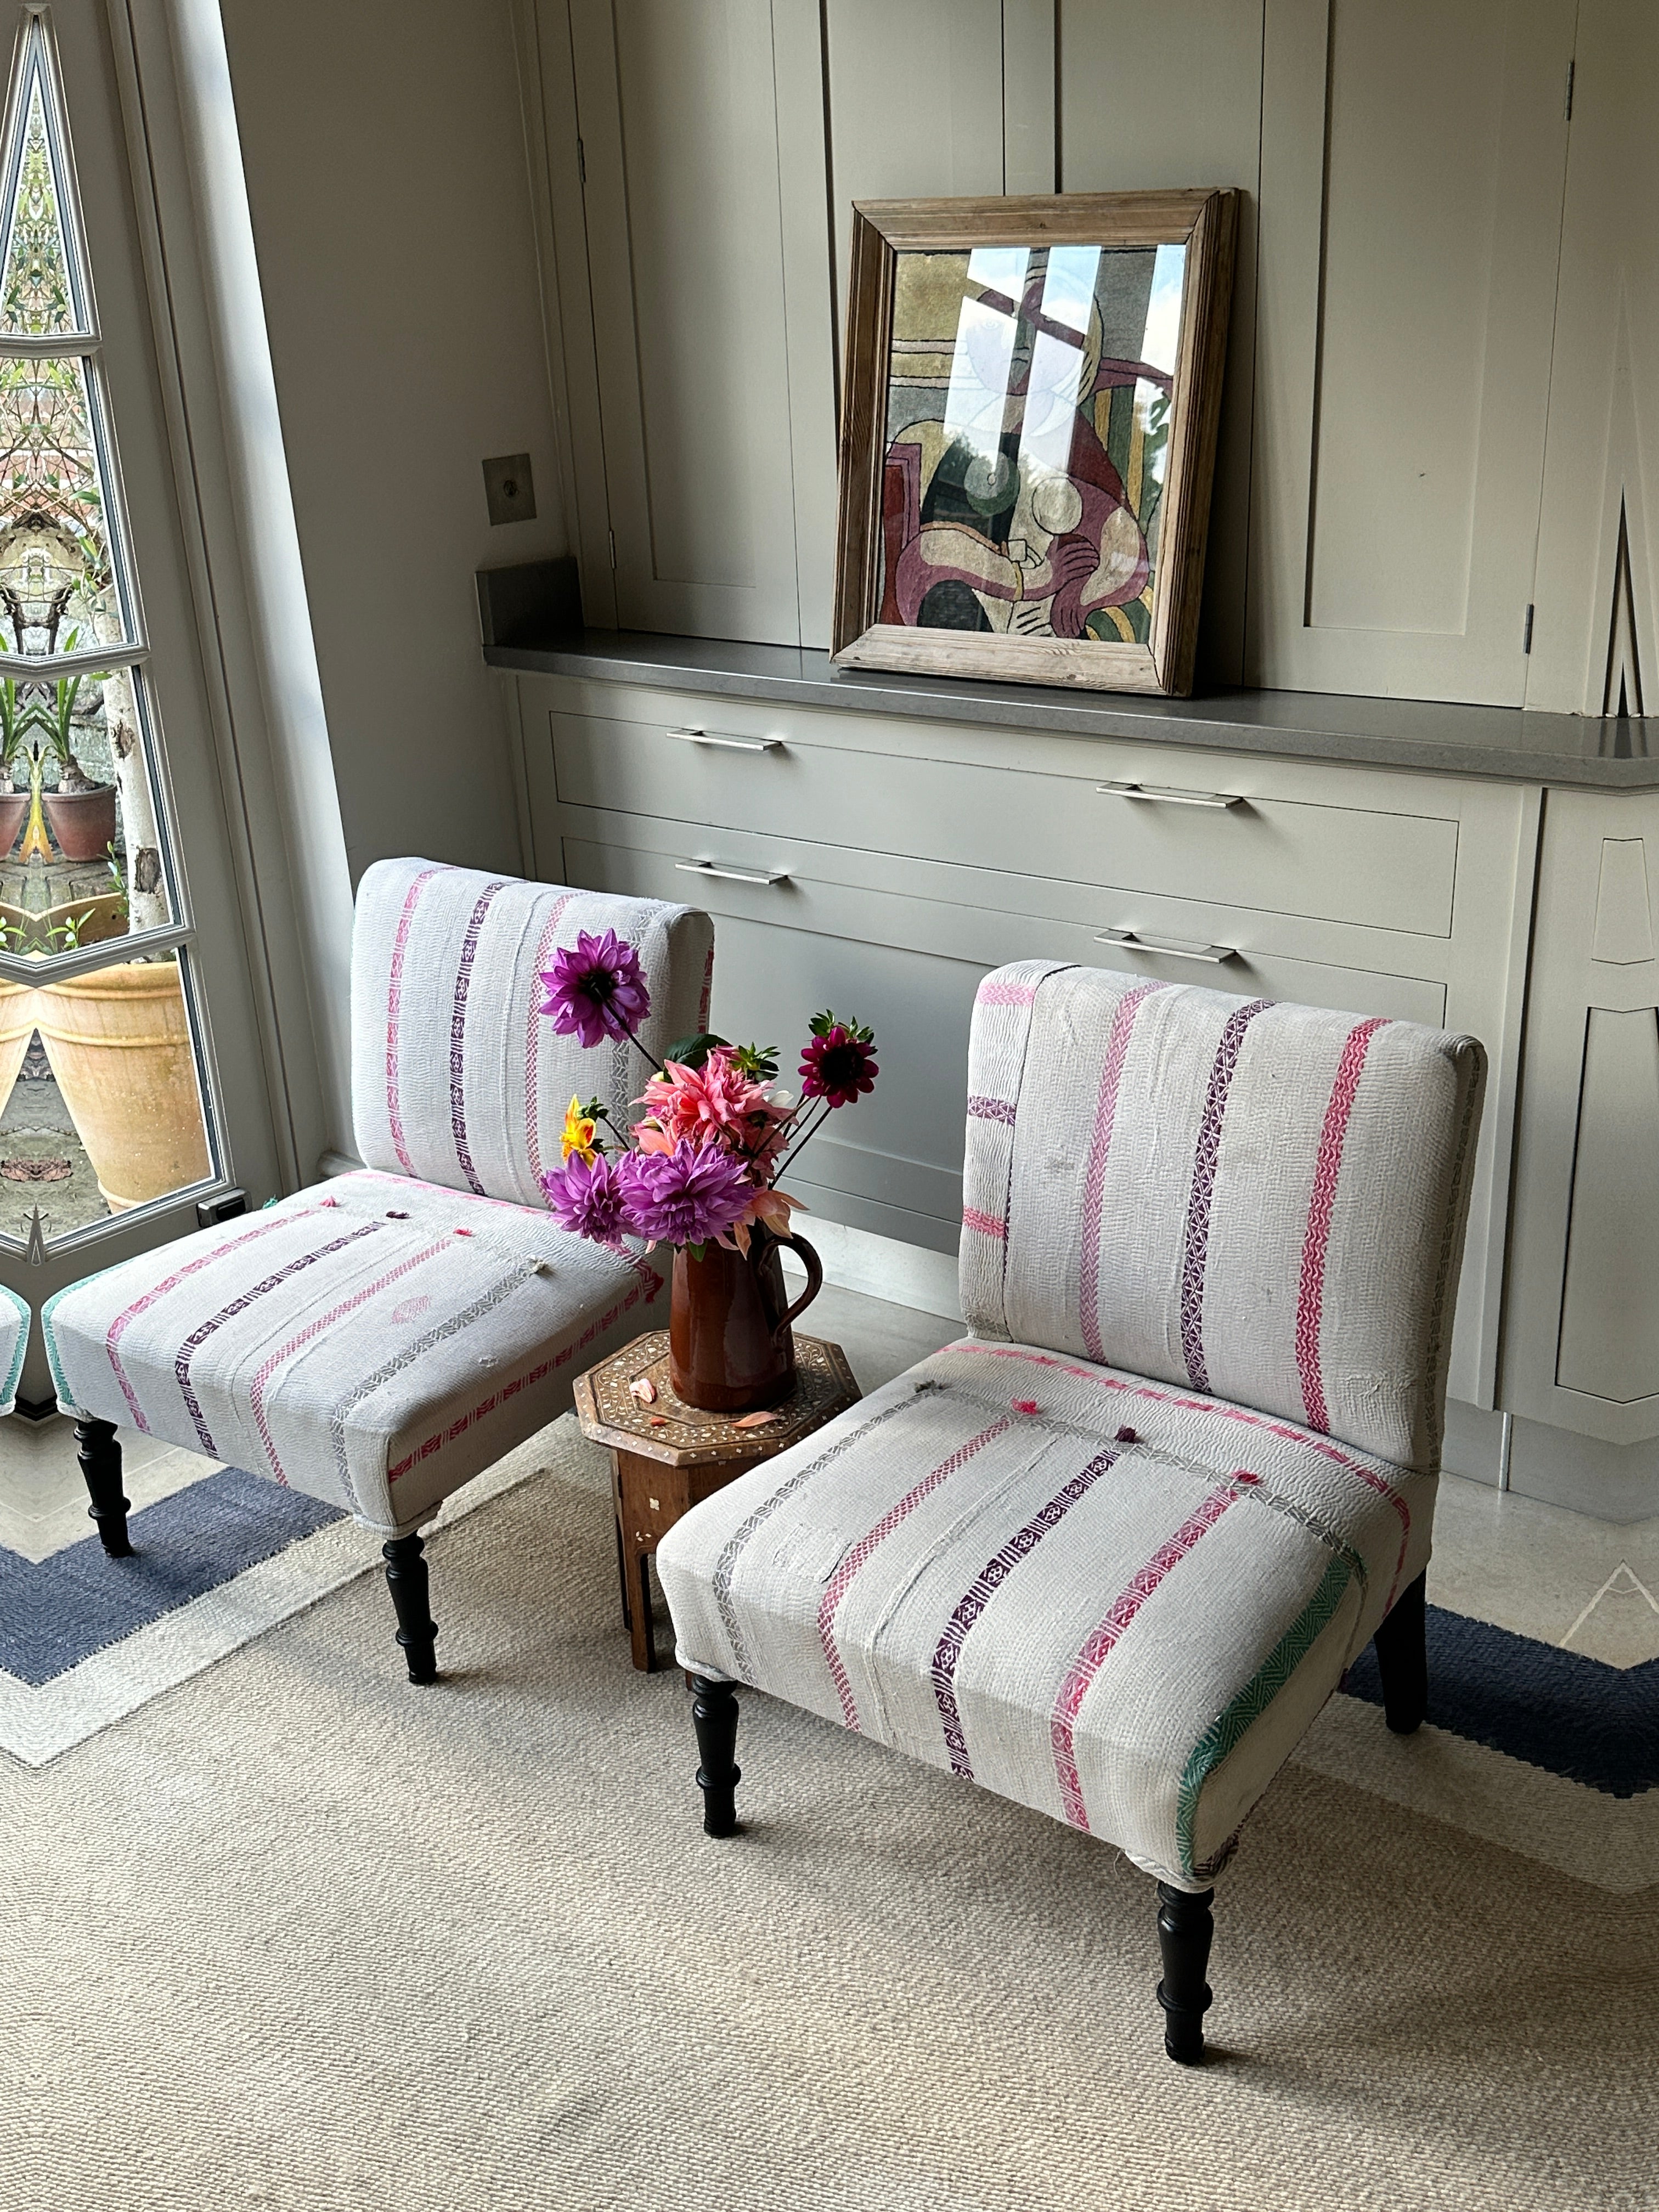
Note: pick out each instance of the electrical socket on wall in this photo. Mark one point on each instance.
(510, 489)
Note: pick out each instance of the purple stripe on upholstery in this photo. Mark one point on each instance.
(979, 1594)
(458, 1033)
(1198, 1205)
(193, 1343)
(992, 1110)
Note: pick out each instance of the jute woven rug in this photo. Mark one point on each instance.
(293, 1935)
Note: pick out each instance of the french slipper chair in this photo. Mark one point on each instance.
(378, 1340)
(1110, 1553)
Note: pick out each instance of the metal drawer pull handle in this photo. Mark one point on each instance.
(732, 875)
(1211, 955)
(1166, 795)
(731, 745)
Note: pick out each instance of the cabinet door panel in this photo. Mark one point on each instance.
(685, 255)
(1413, 166)
(1172, 96)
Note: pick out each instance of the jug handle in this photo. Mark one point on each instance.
(814, 1282)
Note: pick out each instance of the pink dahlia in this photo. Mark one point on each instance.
(716, 1101)
(596, 989)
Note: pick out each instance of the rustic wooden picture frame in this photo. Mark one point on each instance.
(1206, 222)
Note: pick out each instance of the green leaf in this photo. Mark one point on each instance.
(692, 1051)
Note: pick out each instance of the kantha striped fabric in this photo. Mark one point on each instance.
(1266, 1202)
(455, 1076)
(1096, 1584)
(377, 1339)
(15, 1316)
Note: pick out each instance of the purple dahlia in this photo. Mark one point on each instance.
(592, 1197)
(597, 989)
(689, 1195)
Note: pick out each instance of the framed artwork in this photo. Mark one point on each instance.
(1027, 436)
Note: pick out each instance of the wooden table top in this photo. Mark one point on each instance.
(679, 1435)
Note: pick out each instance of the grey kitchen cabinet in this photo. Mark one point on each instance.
(1442, 350)
(882, 864)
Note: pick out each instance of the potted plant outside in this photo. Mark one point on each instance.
(14, 732)
(119, 1044)
(80, 813)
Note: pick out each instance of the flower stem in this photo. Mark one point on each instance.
(800, 1144)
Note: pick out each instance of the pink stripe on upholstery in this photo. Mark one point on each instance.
(257, 1393)
(1094, 1182)
(845, 1574)
(1310, 1299)
(979, 1594)
(458, 1033)
(1337, 1457)
(117, 1327)
(1006, 994)
(463, 1422)
(987, 1224)
(533, 1041)
(1102, 1640)
(394, 1002)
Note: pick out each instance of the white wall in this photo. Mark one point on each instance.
(386, 175)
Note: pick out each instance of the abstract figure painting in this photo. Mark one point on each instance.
(1029, 435)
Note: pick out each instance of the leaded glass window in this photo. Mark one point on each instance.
(104, 1095)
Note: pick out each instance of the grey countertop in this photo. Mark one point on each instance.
(1604, 755)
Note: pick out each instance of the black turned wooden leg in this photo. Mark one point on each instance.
(1402, 1659)
(1184, 1930)
(405, 1575)
(714, 1716)
(101, 1462)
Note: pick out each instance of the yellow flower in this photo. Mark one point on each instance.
(578, 1137)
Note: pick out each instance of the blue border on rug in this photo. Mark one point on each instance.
(1571, 1715)
(56, 1613)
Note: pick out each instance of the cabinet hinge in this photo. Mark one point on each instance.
(1526, 634)
(1571, 66)
(582, 153)
(611, 535)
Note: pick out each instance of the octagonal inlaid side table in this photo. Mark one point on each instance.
(667, 1456)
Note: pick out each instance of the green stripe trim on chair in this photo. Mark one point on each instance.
(1230, 1727)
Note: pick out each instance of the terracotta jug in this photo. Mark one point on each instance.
(731, 1348)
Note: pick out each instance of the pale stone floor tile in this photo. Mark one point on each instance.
(1620, 1624)
(1532, 1568)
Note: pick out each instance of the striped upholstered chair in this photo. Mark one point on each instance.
(377, 1339)
(15, 1316)
(1110, 1553)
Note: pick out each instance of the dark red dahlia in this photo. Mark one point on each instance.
(838, 1065)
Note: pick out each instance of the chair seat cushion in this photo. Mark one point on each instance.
(374, 1340)
(1114, 1601)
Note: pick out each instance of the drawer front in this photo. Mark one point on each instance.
(1359, 865)
(909, 967)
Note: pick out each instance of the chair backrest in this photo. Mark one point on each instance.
(457, 1077)
(1264, 1202)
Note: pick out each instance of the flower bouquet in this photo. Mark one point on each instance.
(699, 1170)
